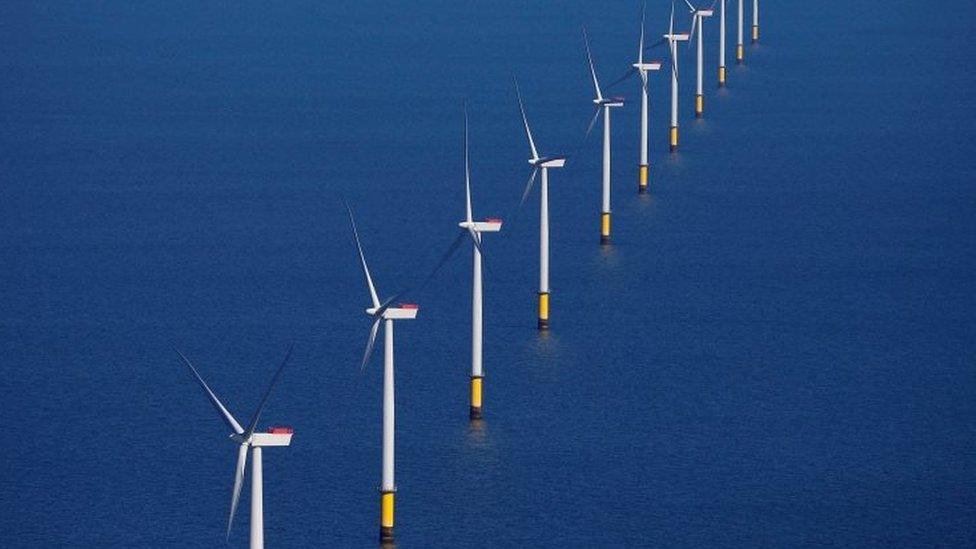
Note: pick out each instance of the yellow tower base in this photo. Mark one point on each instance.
(543, 310)
(642, 181)
(386, 517)
(699, 106)
(605, 228)
(674, 138)
(755, 33)
(721, 77)
(739, 54)
(476, 397)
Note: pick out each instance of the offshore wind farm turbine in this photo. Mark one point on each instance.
(755, 21)
(475, 229)
(739, 49)
(248, 440)
(643, 68)
(540, 164)
(385, 313)
(673, 40)
(721, 44)
(697, 23)
(602, 104)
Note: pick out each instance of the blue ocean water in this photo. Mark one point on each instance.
(778, 349)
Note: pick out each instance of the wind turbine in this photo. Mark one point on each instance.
(721, 45)
(385, 313)
(543, 164)
(643, 68)
(602, 104)
(673, 40)
(475, 229)
(739, 50)
(248, 439)
(697, 22)
(755, 21)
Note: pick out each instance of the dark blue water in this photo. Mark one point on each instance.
(777, 351)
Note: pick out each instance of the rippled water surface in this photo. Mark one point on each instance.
(778, 350)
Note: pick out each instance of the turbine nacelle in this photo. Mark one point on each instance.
(406, 311)
(705, 13)
(609, 102)
(490, 225)
(648, 66)
(274, 436)
(548, 162)
(680, 37)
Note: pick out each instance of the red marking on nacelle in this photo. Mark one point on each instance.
(279, 430)
(409, 306)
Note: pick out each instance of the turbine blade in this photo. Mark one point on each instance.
(589, 128)
(690, 7)
(640, 45)
(222, 411)
(267, 392)
(625, 76)
(371, 342)
(467, 169)
(476, 238)
(362, 258)
(528, 188)
(656, 44)
(238, 484)
(671, 24)
(444, 258)
(589, 57)
(525, 121)
(674, 60)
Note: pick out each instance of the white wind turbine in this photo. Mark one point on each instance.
(673, 40)
(739, 49)
(697, 23)
(543, 164)
(248, 439)
(475, 229)
(383, 312)
(603, 104)
(721, 44)
(755, 21)
(643, 68)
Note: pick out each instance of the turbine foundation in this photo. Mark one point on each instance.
(739, 54)
(543, 310)
(755, 33)
(674, 138)
(721, 77)
(476, 382)
(605, 228)
(386, 517)
(699, 105)
(642, 178)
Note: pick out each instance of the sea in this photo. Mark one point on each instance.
(778, 348)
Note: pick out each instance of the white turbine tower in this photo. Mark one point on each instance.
(721, 44)
(248, 439)
(543, 164)
(755, 21)
(475, 229)
(673, 40)
(643, 68)
(383, 312)
(697, 23)
(739, 49)
(603, 104)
